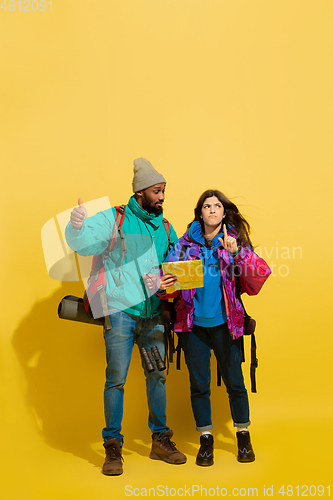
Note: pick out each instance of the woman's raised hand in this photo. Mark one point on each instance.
(228, 242)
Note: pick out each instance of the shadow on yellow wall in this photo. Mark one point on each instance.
(63, 364)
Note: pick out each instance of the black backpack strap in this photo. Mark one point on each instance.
(254, 363)
(249, 329)
(180, 347)
(179, 350)
(241, 339)
(219, 377)
(169, 343)
(170, 322)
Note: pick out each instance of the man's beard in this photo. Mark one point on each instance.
(151, 209)
(156, 210)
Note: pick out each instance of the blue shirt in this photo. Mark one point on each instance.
(209, 308)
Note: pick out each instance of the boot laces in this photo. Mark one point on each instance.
(205, 447)
(113, 453)
(244, 441)
(169, 444)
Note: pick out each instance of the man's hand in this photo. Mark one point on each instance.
(228, 242)
(149, 280)
(166, 281)
(78, 215)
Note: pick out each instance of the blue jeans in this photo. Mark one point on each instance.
(197, 347)
(119, 341)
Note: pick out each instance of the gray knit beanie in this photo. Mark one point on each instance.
(145, 175)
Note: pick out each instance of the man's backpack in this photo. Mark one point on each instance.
(95, 301)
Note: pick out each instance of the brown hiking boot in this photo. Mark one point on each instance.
(113, 464)
(164, 449)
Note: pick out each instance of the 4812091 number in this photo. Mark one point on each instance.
(305, 490)
(26, 5)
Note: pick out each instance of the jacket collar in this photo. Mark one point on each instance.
(196, 235)
(193, 235)
(148, 218)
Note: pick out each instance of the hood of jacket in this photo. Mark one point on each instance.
(194, 235)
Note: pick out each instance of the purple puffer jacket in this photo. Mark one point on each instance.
(252, 270)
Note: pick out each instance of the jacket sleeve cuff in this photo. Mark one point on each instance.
(72, 235)
(162, 294)
(237, 252)
(241, 255)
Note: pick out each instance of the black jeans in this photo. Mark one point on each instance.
(197, 347)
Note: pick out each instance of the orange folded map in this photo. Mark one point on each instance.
(189, 274)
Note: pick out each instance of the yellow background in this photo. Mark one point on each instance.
(234, 94)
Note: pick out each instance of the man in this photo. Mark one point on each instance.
(134, 310)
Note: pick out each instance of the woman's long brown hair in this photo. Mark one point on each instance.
(233, 217)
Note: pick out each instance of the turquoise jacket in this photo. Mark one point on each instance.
(146, 244)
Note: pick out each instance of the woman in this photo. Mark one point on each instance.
(212, 317)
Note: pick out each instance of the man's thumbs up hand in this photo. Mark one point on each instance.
(78, 215)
